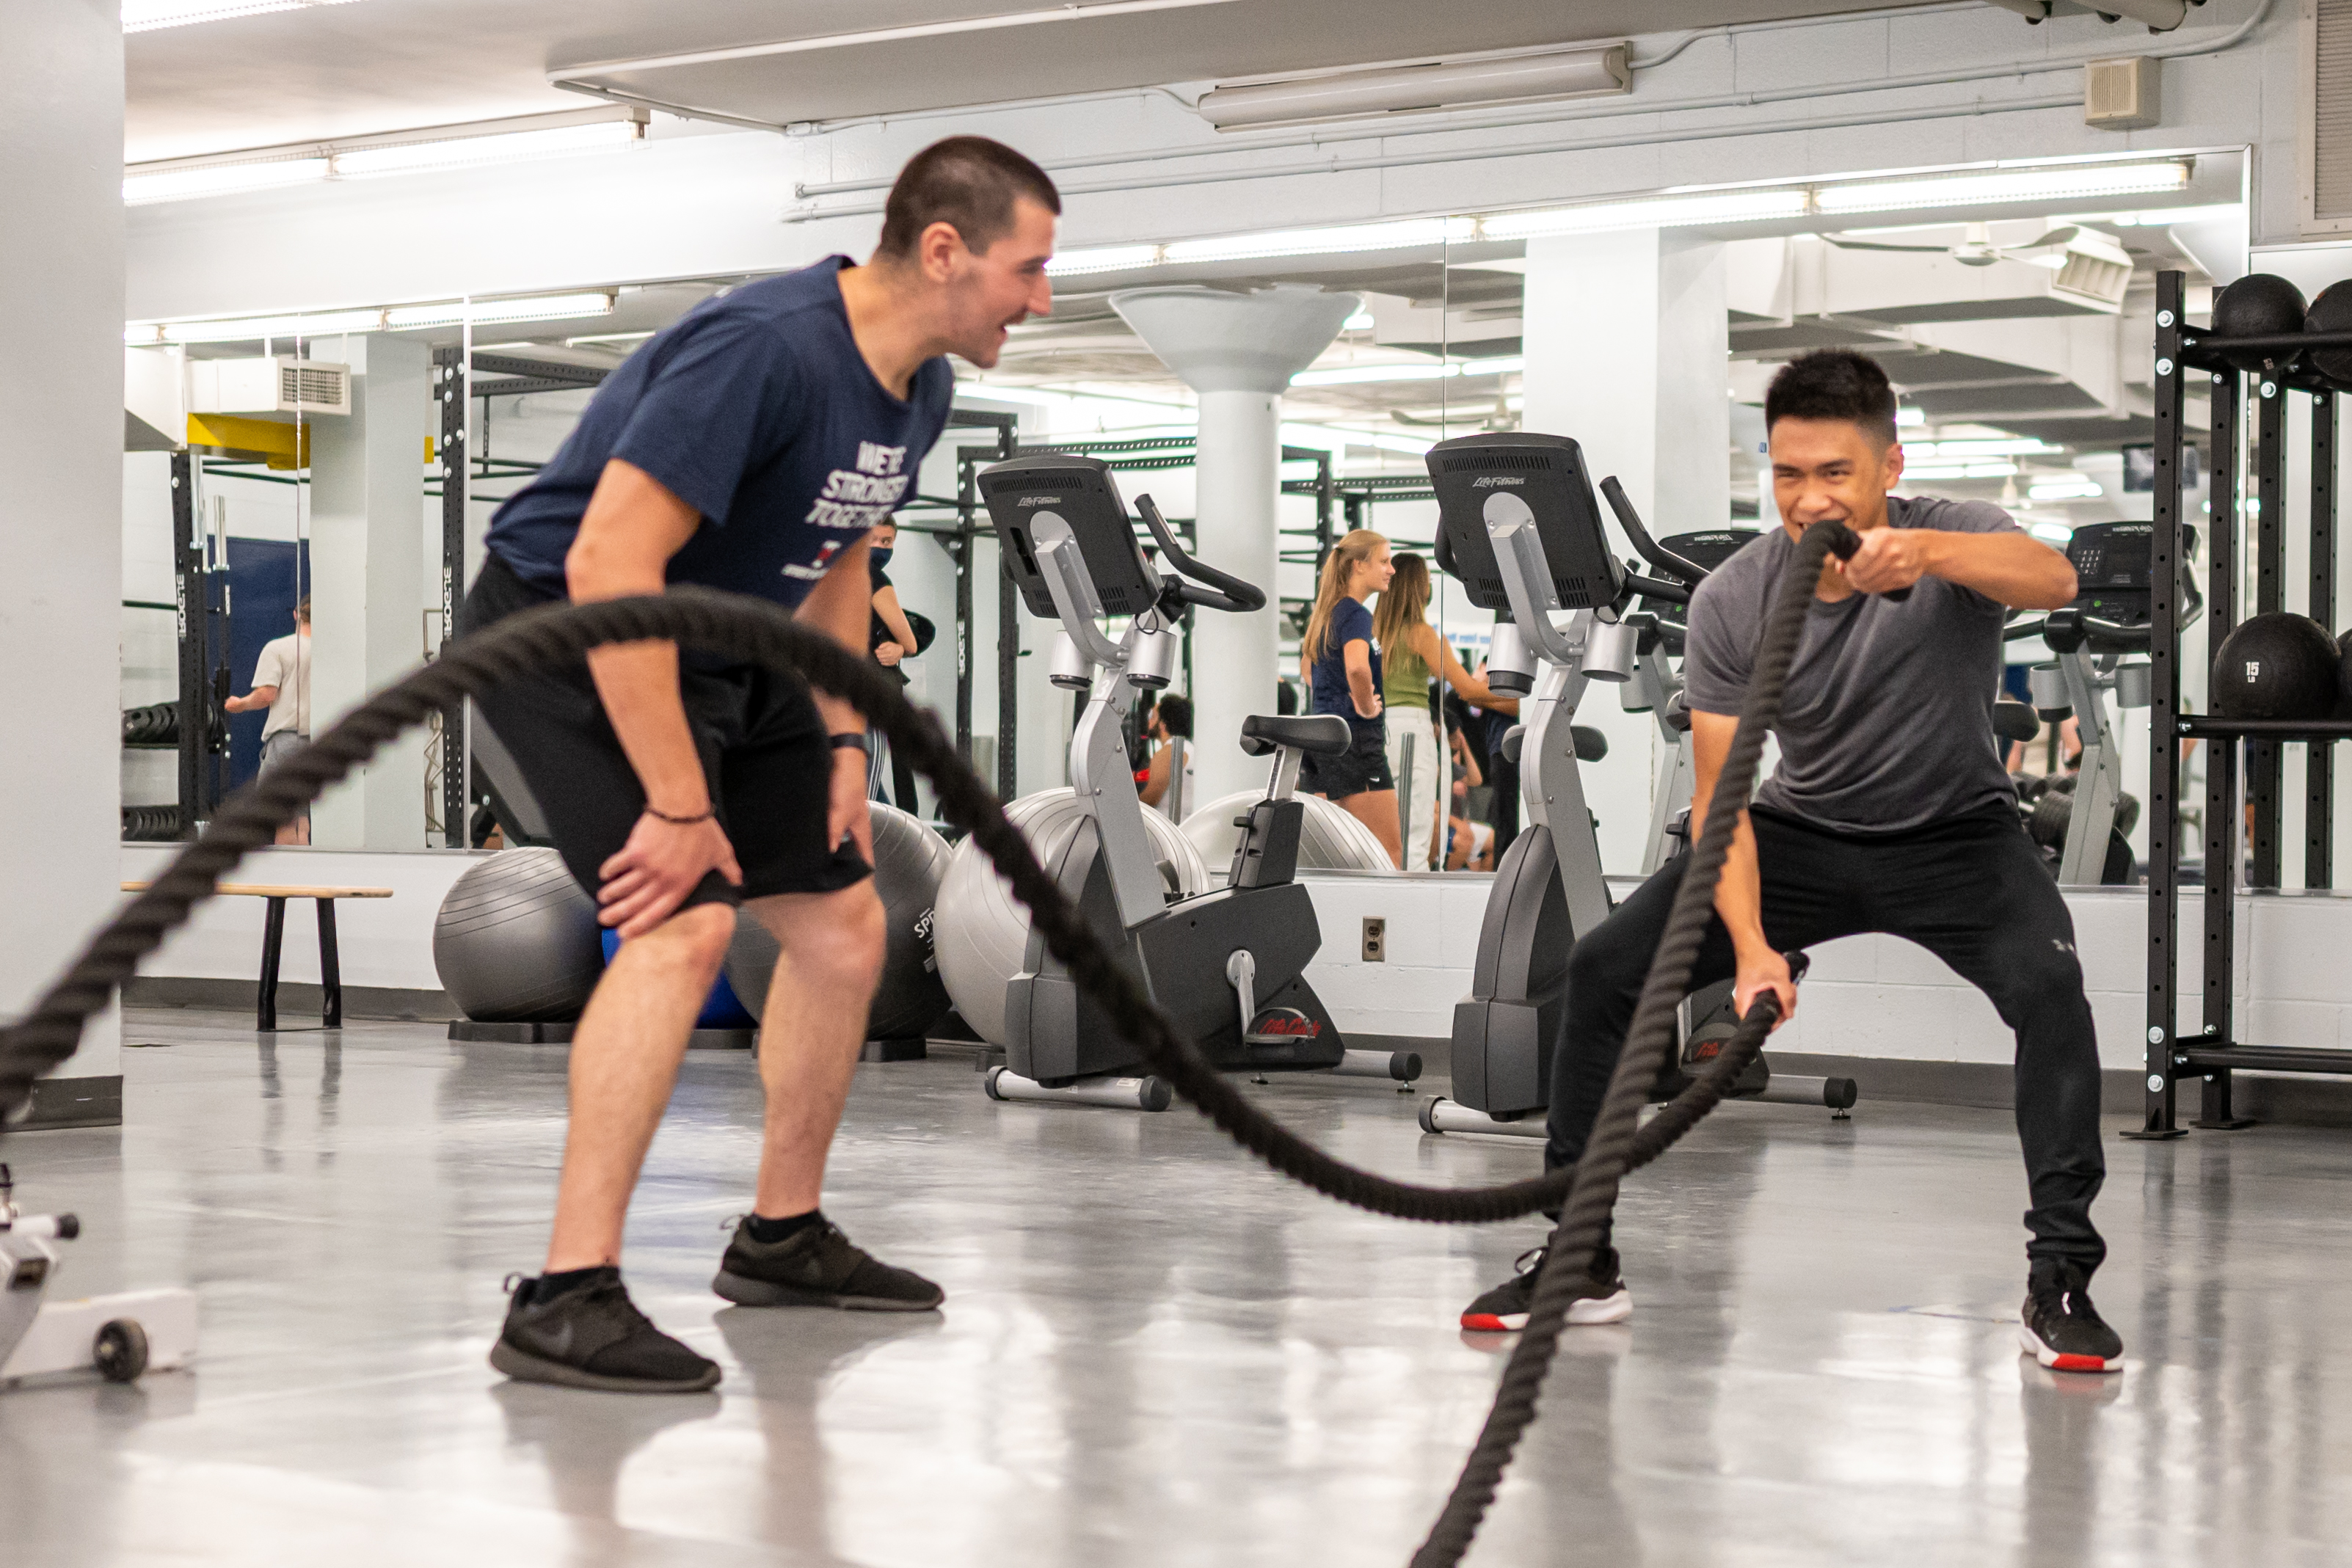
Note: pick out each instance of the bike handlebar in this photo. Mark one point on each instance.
(1224, 591)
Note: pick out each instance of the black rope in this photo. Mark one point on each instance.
(541, 640)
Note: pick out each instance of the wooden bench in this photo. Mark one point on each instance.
(273, 936)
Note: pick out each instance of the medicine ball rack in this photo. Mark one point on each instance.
(2213, 1052)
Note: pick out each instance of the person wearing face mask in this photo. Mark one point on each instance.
(749, 446)
(894, 639)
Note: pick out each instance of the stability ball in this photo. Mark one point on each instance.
(2332, 312)
(517, 940)
(721, 1010)
(982, 931)
(2279, 665)
(1329, 840)
(2261, 303)
(910, 859)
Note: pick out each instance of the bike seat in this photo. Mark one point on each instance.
(1316, 735)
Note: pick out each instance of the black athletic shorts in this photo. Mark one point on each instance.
(1362, 769)
(764, 750)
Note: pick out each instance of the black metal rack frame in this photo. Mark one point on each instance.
(2213, 1051)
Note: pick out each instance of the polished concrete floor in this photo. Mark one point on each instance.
(1154, 1351)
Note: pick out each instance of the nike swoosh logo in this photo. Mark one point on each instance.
(558, 1339)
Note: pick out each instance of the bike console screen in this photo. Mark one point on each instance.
(1082, 493)
(1548, 475)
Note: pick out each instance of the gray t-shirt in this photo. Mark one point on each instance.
(1887, 724)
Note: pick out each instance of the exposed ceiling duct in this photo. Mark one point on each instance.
(1591, 70)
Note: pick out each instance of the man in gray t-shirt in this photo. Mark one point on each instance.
(1889, 812)
(1883, 729)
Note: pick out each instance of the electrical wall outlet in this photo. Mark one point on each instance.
(1376, 939)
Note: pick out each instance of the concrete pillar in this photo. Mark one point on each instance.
(1238, 351)
(62, 518)
(367, 591)
(1627, 343)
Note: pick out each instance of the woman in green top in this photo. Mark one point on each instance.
(1411, 649)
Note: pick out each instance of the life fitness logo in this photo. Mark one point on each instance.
(1489, 481)
(1288, 1021)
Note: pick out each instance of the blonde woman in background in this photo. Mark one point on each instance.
(1412, 654)
(1343, 676)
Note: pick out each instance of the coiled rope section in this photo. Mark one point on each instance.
(541, 640)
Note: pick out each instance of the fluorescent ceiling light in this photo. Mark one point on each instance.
(607, 338)
(1360, 375)
(511, 146)
(2080, 489)
(147, 15)
(1361, 321)
(1591, 71)
(1960, 471)
(2053, 533)
(340, 323)
(2002, 186)
(2156, 217)
(1974, 448)
(1340, 241)
(542, 307)
(220, 180)
(1909, 417)
(1662, 212)
(1102, 259)
(396, 153)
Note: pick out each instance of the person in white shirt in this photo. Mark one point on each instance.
(281, 683)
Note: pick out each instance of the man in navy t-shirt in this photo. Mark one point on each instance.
(748, 446)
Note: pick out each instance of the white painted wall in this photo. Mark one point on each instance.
(60, 494)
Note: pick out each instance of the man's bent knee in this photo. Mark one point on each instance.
(834, 938)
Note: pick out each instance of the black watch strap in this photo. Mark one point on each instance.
(850, 739)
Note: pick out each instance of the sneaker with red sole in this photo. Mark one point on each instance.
(2060, 1328)
(1600, 1297)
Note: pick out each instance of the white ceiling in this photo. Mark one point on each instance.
(384, 65)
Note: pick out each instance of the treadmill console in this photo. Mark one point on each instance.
(1548, 474)
(1082, 493)
(2114, 580)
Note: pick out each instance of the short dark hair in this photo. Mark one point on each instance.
(1833, 383)
(969, 182)
(1176, 713)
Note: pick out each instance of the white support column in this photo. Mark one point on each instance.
(62, 518)
(1238, 351)
(1627, 343)
(367, 593)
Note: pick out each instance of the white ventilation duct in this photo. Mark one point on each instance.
(1594, 70)
(1238, 351)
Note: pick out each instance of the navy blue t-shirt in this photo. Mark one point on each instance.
(756, 409)
(1350, 622)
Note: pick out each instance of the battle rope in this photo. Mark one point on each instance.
(541, 640)
(1611, 1150)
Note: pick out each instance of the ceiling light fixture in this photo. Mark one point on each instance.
(2073, 489)
(1408, 234)
(1102, 259)
(1988, 447)
(343, 323)
(515, 140)
(1960, 471)
(1661, 212)
(1364, 375)
(220, 180)
(1992, 187)
(1593, 71)
(147, 15)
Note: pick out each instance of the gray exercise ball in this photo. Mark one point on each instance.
(983, 930)
(516, 941)
(1329, 839)
(910, 859)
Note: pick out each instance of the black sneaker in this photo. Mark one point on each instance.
(2060, 1328)
(1599, 1297)
(817, 1266)
(592, 1336)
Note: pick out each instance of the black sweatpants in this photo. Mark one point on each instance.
(1970, 890)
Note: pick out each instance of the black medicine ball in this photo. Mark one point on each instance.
(2261, 303)
(2332, 312)
(2278, 665)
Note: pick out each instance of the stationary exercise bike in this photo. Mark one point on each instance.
(1227, 967)
(1520, 527)
(2082, 824)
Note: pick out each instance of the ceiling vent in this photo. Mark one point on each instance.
(2122, 95)
(2324, 126)
(282, 384)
